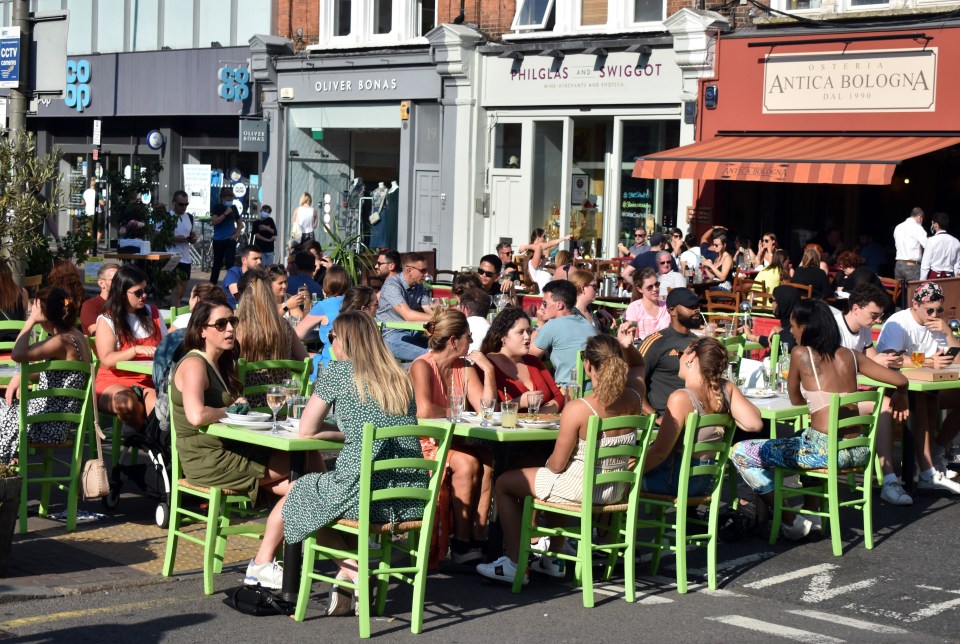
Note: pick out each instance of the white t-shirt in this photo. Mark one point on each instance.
(541, 277)
(90, 201)
(691, 258)
(857, 341)
(139, 331)
(670, 280)
(181, 321)
(305, 215)
(478, 329)
(903, 333)
(183, 229)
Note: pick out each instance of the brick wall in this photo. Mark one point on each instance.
(299, 14)
(493, 17)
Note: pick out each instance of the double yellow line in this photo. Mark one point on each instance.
(79, 614)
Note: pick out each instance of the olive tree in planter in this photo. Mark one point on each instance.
(10, 482)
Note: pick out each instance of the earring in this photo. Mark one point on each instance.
(688, 364)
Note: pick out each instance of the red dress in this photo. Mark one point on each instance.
(109, 377)
(539, 376)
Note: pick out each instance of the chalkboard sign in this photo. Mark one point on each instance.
(636, 201)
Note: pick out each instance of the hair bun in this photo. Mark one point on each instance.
(430, 328)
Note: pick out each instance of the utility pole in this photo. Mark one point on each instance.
(20, 96)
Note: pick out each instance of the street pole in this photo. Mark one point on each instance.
(20, 97)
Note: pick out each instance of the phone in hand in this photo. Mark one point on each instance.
(952, 351)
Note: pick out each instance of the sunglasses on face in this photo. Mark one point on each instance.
(639, 236)
(221, 324)
(936, 310)
(879, 314)
(666, 263)
(140, 292)
(181, 204)
(332, 336)
(480, 271)
(652, 287)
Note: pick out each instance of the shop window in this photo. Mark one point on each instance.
(507, 145)
(801, 5)
(533, 14)
(593, 12)
(640, 199)
(374, 23)
(382, 16)
(342, 17)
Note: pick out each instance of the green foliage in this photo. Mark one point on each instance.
(23, 175)
(8, 471)
(349, 252)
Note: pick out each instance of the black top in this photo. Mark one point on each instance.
(266, 227)
(661, 357)
(812, 276)
(649, 260)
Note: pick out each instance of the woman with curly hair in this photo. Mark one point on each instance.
(705, 392)
(561, 479)
(13, 301)
(853, 272)
(64, 276)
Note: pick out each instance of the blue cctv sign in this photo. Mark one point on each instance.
(10, 57)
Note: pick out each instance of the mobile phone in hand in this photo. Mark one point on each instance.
(952, 351)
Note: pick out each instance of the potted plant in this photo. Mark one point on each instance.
(10, 482)
(349, 252)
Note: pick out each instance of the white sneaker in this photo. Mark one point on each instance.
(555, 568)
(894, 494)
(268, 575)
(800, 528)
(940, 464)
(342, 599)
(500, 570)
(938, 482)
(543, 545)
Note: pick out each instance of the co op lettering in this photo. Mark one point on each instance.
(77, 94)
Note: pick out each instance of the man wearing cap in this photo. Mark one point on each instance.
(661, 351)
(648, 259)
(910, 239)
(922, 329)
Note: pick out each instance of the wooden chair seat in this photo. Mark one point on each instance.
(205, 490)
(66, 443)
(384, 528)
(575, 507)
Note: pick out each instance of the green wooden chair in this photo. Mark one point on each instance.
(675, 531)
(623, 514)
(419, 533)
(223, 507)
(299, 371)
(827, 489)
(82, 420)
(7, 346)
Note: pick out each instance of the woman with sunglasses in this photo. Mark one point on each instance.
(128, 329)
(648, 312)
(290, 307)
(719, 266)
(765, 250)
(586, 284)
(819, 367)
(203, 384)
(778, 270)
(436, 375)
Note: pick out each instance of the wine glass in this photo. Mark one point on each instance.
(487, 407)
(292, 387)
(276, 398)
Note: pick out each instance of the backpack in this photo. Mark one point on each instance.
(258, 601)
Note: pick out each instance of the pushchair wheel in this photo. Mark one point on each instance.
(112, 499)
(162, 514)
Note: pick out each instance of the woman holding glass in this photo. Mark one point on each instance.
(365, 385)
(439, 376)
(561, 479)
(203, 384)
(519, 376)
(648, 311)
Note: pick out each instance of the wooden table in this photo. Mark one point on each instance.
(286, 441)
(136, 366)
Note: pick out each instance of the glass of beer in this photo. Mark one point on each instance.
(917, 358)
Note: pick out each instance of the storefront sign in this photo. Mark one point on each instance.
(583, 79)
(234, 84)
(78, 93)
(859, 81)
(253, 135)
(10, 57)
(196, 183)
(346, 85)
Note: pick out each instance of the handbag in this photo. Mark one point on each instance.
(94, 481)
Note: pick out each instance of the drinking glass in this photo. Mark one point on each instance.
(487, 407)
(534, 400)
(571, 391)
(436, 303)
(292, 387)
(454, 407)
(508, 414)
(276, 397)
(784, 374)
(917, 358)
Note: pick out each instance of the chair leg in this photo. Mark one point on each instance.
(585, 556)
(834, 496)
(615, 529)
(386, 555)
(661, 532)
(303, 595)
(629, 556)
(46, 486)
(220, 549)
(681, 549)
(210, 539)
(419, 588)
(777, 505)
(72, 493)
(867, 512)
(363, 584)
(172, 531)
(523, 554)
(24, 474)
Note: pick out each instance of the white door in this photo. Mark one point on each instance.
(509, 211)
(427, 216)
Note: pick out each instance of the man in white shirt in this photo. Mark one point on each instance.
(669, 279)
(475, 304)
(910, 240)
(867, 303)
(90, 203)
(921, 329)
(941, 256)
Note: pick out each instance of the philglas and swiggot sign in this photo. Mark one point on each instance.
(859, 81)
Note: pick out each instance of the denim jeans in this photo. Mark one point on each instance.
(406, 345)
(665, 478)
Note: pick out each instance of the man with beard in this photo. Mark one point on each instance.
(661, 351)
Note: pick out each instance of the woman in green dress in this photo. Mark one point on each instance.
(203, 385)
(364, 385)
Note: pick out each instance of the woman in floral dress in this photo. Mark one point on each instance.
(56, 313)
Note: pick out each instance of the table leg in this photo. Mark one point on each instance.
(906, 442)
(494, 531)
(293, 552)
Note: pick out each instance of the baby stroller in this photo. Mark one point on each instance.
(152, 475)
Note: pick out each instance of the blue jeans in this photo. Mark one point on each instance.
(406, 346)
(665, 478)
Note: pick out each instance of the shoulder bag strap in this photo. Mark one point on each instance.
(97, 431)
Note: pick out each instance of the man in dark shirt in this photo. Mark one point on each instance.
(489, 274)
(648, 259)
(661, 351)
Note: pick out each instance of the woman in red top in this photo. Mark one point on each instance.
(507, 345)
(128, 329)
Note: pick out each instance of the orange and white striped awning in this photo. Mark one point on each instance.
(790, 159)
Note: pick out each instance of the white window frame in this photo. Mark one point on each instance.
(551, 6)
(630, 17)
(568, 15)
(404, 27)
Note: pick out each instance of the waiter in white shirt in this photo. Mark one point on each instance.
(910, 239)
(941, 257)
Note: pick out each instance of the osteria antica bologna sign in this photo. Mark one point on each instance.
(896, 80)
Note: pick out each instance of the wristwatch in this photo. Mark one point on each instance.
(286, 309)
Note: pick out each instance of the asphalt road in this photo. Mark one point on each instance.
(905, 590)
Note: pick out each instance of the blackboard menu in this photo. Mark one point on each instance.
(636, 201)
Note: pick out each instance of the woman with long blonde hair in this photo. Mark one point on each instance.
(561, 479)
(263, 335)
(305, 218)
(365, 384)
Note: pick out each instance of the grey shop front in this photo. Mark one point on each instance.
(194, 99)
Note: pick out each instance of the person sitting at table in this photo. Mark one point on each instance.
(563, 264)
(718, 267)
(463, 281)
(202, 385)
(561, 478)
(744, 258)
(689, 259)
(488, 272)
(128, 329)
(811, 273)
(321, 316)
(64, 276)
(436, 375)
(537, 255)
(360, 298)
(250, 257)
(200, 291)
(91, 309)
(704, 391)
(921, 329)
(13, 301)
(403, 298)
(765, 250)
(263, 335)
(776, 271)
(56, 313)
(648, 311)
(853, 273)
(819, 367)
(586, 284)
(365, 385)
(290, 307)
(475, 304)
(301, 274)
(561, 333)
(784, 299)
(669, 277)
(517, 372)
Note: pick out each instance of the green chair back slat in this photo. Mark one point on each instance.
(9, 325)
(299, 370)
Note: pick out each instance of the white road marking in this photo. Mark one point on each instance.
(931, 610)
(820, 590)
(790, 576)
(776, 630)
(733, 563)
(848, 621)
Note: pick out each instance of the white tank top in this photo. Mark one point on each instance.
(305, 219)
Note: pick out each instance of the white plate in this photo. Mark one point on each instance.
(251, 417)
(759, 393)
(247, 424)
(292, 423)
(474, 418)
(538, 423)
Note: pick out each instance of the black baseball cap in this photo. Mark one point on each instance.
(683, 297)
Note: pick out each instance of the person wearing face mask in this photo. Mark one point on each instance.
(661, 351)
(265, 234)
(227, 228)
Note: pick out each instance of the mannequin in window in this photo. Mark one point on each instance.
(378, 228)
(390, 214)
